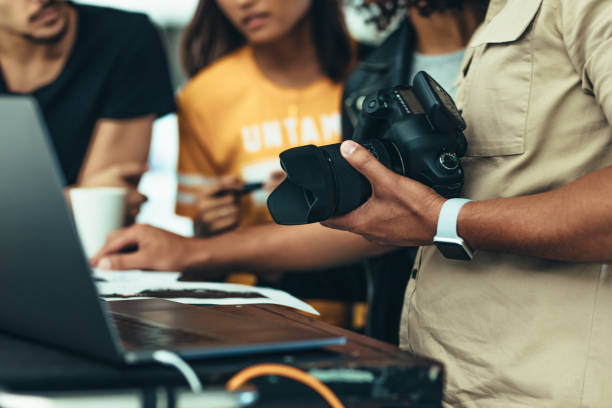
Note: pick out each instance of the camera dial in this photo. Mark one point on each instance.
(449, 161)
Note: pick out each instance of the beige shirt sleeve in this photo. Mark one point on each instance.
(587, 32)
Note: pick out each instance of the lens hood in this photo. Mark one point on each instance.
(308, 193)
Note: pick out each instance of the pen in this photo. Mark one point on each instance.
(250, 187)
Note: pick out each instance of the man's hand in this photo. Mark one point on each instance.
(400, 212)
(125, 175)
(143, 247)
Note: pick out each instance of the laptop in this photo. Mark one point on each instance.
(47, 290)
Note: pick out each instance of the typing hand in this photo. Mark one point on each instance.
(401, 211)
(218, 207)
(143, 247)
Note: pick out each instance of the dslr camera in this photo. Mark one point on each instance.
(415, 131)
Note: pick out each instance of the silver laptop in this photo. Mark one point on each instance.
(47, 290)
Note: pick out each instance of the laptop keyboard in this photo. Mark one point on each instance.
(139, 334)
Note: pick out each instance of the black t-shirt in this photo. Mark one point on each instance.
(117, 69)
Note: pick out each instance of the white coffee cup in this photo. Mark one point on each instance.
(97, 212)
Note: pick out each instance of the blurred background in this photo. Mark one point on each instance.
(171, 17)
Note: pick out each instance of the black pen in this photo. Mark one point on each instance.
(246, 189)
(250, 187)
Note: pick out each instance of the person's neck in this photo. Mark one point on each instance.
(291, 61)
(445, 32)
(22, 50)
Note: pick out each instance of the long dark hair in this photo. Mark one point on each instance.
(210, 35)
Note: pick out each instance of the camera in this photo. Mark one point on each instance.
(415, 131)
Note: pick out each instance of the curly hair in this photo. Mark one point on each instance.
(383, 11)
(426, 7)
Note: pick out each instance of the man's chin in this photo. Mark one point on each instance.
(53, 37)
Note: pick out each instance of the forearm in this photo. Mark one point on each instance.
(271, 247)
(572, 223)
(118, 152)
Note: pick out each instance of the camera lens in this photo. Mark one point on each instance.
(320, 184)
(387, 153)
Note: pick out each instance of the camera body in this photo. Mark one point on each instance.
(424, 130)
(414, 131)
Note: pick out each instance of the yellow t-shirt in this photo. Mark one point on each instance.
(233, 120)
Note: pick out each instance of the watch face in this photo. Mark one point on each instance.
(453, 251)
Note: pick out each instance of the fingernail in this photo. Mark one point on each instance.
(105, 264)
(348, 147)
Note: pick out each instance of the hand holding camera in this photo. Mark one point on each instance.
(399, 212)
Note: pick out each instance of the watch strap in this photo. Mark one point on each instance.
(447, 220)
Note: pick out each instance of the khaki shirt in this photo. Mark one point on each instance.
(518, 331)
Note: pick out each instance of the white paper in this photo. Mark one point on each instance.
(129, 283)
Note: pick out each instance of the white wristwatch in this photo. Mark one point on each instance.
(451, 245)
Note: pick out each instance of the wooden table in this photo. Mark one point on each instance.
(363, 373)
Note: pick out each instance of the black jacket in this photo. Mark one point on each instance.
(386, 66)
(387, 275)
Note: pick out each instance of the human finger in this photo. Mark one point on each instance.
(364, 162)
(230, 183)
(209, 203)
(220, 212)
(223, 224)
(134, 202)
(121, 262)
(117, 241)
